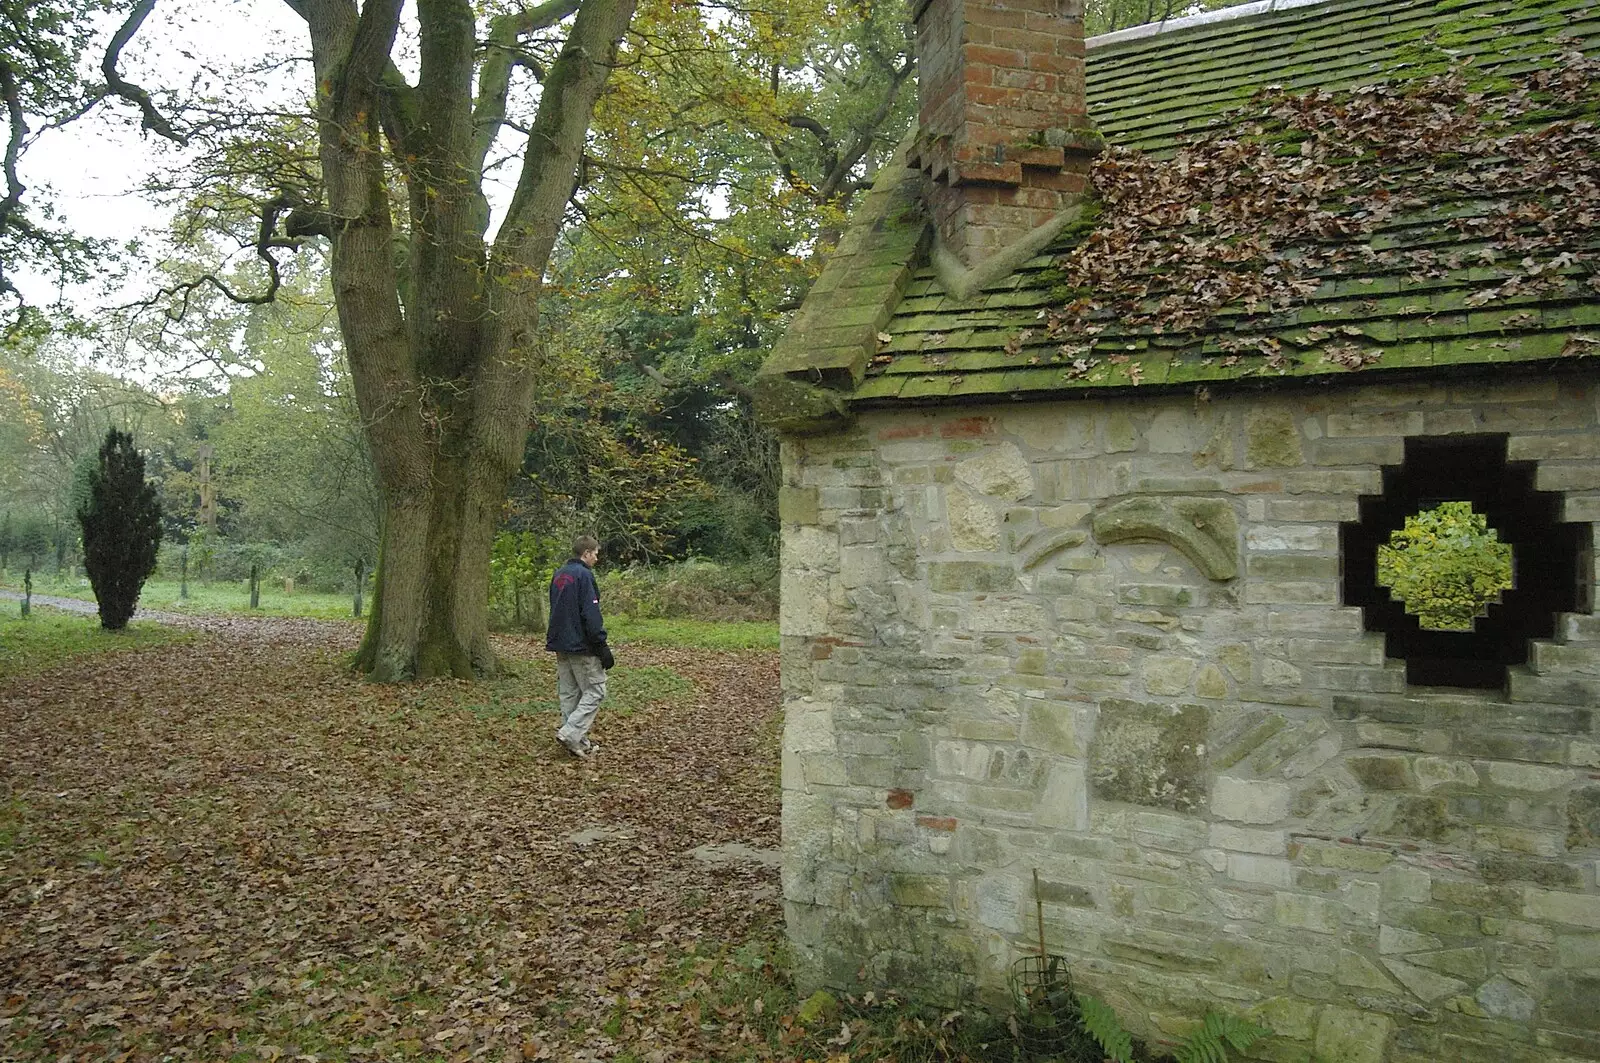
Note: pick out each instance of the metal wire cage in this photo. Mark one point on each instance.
(1048, 1024)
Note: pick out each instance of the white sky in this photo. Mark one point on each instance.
(97, 166)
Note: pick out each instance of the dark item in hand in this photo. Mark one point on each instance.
(606, 659)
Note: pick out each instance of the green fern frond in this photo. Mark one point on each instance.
(1216, 1035)
(1101, 1023)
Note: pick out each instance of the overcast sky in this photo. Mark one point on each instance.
(97, 166)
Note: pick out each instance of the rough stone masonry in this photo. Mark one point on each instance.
(1103, 639)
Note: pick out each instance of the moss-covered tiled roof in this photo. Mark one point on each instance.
(908, 340)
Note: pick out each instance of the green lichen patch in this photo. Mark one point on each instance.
(1150, 754)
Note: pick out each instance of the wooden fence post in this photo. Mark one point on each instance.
(255, 588)
(27, 590)
(361, 575)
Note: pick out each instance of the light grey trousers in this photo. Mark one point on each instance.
(582, 686)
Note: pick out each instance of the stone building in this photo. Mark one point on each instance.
(1093, 592)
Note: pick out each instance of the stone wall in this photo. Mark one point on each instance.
(1231, 797)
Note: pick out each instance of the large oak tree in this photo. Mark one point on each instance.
(441, 335)
(438, 319)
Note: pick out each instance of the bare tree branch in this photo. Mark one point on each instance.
(861, 140)
(117, 85)
(503, 56)
(12, 96)
(302, 222)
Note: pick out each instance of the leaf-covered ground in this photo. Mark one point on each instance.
(234, 849)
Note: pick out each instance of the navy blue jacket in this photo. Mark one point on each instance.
(575, 624)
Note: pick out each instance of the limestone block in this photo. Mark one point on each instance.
(1313, 511)
(822, 769)
(1468, 963)
(1583, 818)
(1246, 840)
(1286, 1017)
(1121, 435)
(1357, 971)
(1382, 772)
(808, 726)
(1439, 771)
(1260, 870)
(1150, 754)
(1065, 516)
(1345, 1035)
(1161, 830)
(962, 760)
(1578, 950)
(1065, 801)
(998, 471)
(1406, 885)
(807, 842)
(1276, 673)
(1577, 909)
(1394, 940)
(1530, 777)
(1235, 657)
(1165, 676)
(972, 523)
(1171, 432)
(863, 566)
(1333, 482)
(1006, 614)
(1312, 758)
(1055, 429)
(1320, 537)
(803, 603)
(999, 902)
(1051, 726)
(1250, 800)
(1423, 984)
(1362, 900)
(1271, 439)
(980, 576)
(919, 891)
(1500, 999)
(1305, 912)
(1571, 998)
(798, 505)
(1211, 683)
(1408, 423)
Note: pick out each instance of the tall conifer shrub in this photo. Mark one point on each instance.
(121, 521)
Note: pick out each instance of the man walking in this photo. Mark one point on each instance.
(577, 635)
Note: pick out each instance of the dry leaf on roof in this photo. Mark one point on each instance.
(1233, 220)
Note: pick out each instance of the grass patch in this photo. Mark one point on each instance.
(206, 598)
(696, 634)
(50, 637)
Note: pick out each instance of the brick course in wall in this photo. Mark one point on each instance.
(1231, 797)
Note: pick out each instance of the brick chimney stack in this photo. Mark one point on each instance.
(1003, 129)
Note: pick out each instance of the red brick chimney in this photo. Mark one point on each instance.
(1003, 130)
